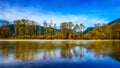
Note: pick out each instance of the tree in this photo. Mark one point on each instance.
(32, 29)
(64, 30)
(45, 27)
(27, 28)
(106, 32)
(39, 31)
(76, 29)
(81, 30)
(5, 30)
(82, 27)
(115, 27)
(54, 28)
(70, 25)
(17, 26)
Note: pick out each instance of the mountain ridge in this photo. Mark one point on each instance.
(90, 28)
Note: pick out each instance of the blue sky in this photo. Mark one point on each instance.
(88, 12)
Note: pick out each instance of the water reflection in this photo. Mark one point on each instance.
(24, 51)
(4, 49)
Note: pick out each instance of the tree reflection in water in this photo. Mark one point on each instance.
(4, 49)
(29, 50)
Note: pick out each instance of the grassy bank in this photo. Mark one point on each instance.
(51, 40)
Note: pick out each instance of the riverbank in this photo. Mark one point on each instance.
(51, 40)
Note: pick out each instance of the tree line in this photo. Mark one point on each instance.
(28, 29)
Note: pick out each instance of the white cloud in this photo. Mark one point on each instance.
(11, 13)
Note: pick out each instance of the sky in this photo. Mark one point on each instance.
(87, 12)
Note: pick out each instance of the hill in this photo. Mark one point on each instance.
(117, 20)
(90, 28)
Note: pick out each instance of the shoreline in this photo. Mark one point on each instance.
(51, 40)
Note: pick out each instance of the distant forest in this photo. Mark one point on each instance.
(28, 29)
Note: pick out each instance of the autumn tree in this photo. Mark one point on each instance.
(45, 27)
(4, 29)
(82, 27)
(70, 32)
(33, 32)
(64, 30)
(54, 28)
(76, 29)
(115, 30)
(106, 32)
(17, 27)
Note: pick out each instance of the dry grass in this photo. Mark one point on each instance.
(50, 40)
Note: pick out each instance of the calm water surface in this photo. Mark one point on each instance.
(59, 54)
